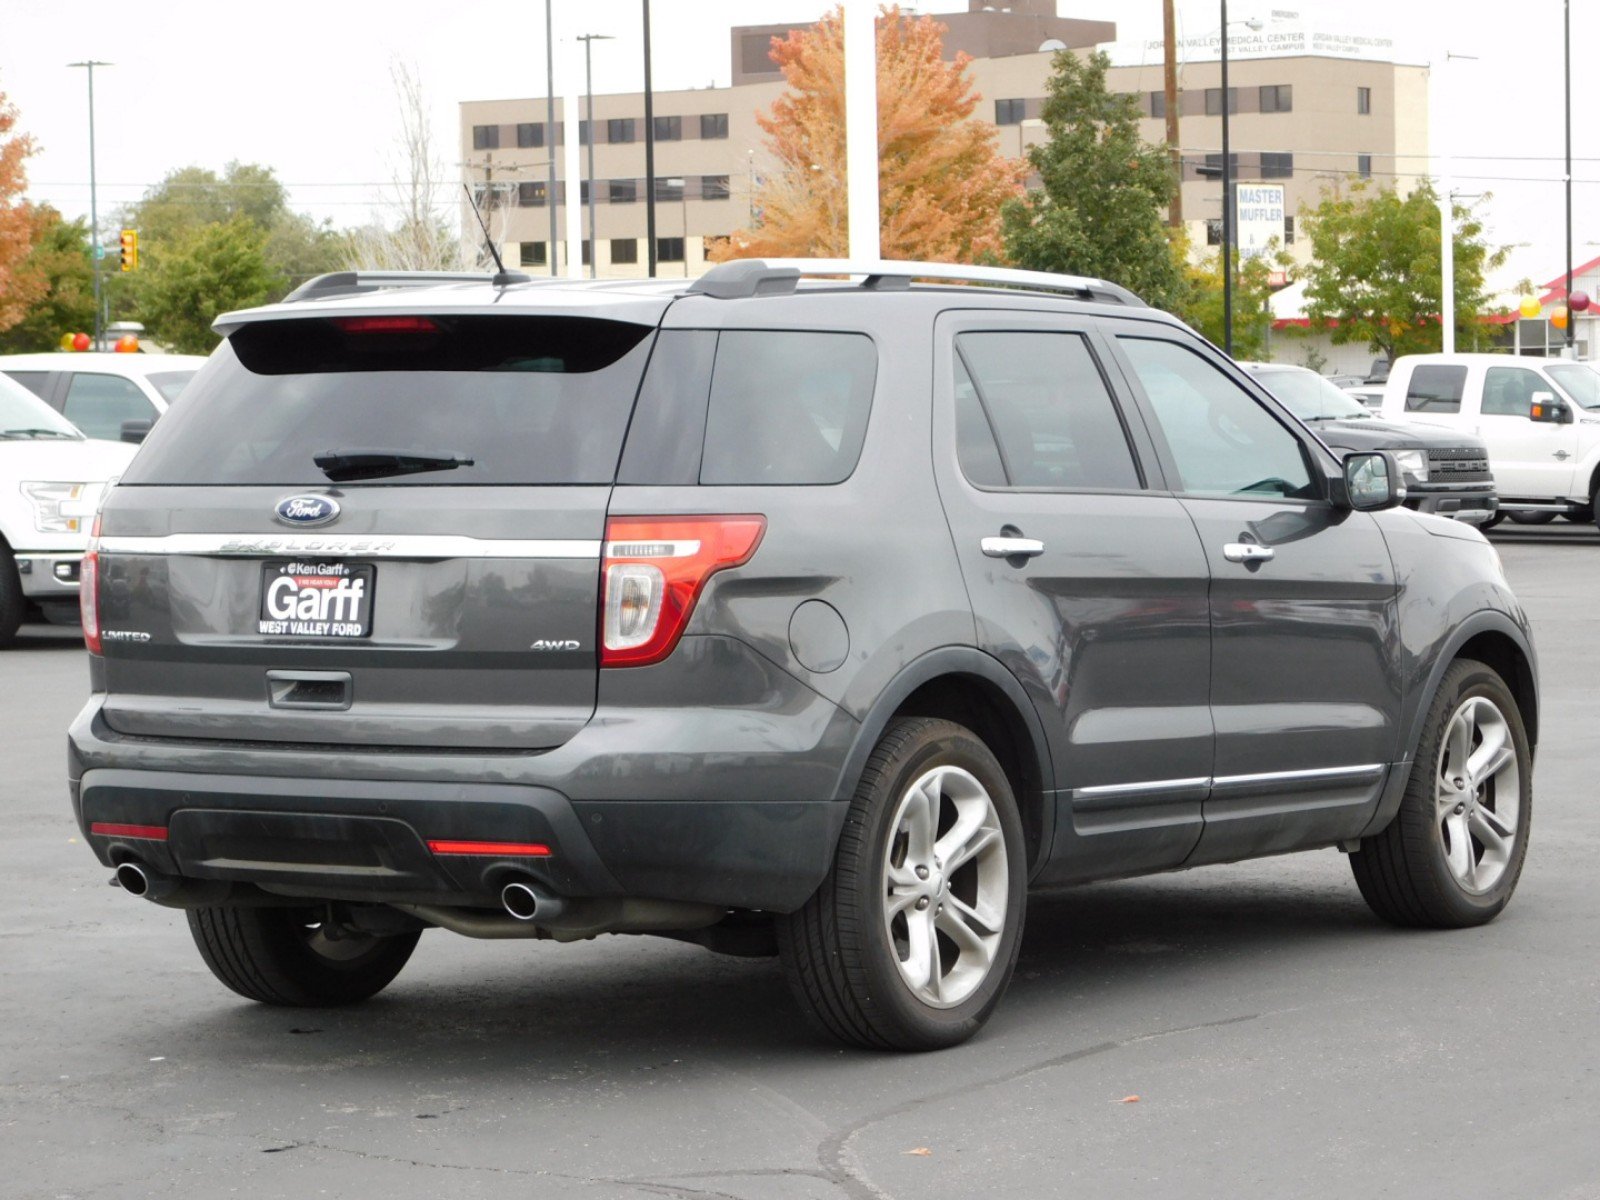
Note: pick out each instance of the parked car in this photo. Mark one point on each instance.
(1445, 472)
(1539, 416)
(819, 618)
(1368, 395)
(110, 397)
(51, 479)
(1345, 381)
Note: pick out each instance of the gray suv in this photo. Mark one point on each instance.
(818, 608)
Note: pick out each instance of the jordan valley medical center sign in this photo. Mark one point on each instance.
(1283, 34)
(1258, 217)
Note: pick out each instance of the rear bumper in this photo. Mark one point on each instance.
(49, 574)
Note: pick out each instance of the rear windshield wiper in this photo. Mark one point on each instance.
(342, 466)
(39, 433)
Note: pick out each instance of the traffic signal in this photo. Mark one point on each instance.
(130, 249)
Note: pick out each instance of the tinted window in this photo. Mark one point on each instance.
(169, 383)
(1224, 442)
(1508, 391)
(528, 399)
(976, 448)
(1044, 399)
(669, 422)
(788, 407)
(34, 381)
(99, 404)
(1436, 389)
(1311, 397)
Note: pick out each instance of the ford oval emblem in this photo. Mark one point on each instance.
(306, 510)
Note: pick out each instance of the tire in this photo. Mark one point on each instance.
(1493, 520)
(870, 957)
(281, 956)
(1451, 857)
(1532, 518)
(13, 605)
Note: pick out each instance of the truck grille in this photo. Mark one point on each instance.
(1458, 464)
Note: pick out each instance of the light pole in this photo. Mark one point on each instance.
(588, 91)
(682, 185)
(1227, 192)
(550, 128)
(1566, 46)
(649, 154)
(94, 213)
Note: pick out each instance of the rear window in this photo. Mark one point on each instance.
(530, 400)
(1436, 389)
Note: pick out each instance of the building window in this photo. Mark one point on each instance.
(1364, 101)
(669, 249)
(530, 135)
(713, 125)
(714, 187)
(583, 133)
(1008, 112)
(1364, 165)
(1277, 97)
(533, 255)
(1288, 231)
(1213, 167)
(1158, 104)
(1214, 101)
(624, 251)
(486, 137)
(623, 191)
(670, 189)
(619, 130)
(669, 129)
(586, 254)
(530, 195)
(1277, 166)
(1214, 231)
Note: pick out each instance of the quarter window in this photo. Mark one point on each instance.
(1222, 439)
(1033, 411)
(1436, 389)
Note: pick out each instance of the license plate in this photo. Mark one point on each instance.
(316, 599)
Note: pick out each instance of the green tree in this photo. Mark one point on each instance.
(1375, 268)
(58, 270)
(1101, 210)
(1200, 301)
(205, 271)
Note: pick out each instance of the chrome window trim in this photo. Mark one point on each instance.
(1223, 781)
(401, 545)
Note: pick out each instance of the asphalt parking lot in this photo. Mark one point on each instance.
(1281, 1042)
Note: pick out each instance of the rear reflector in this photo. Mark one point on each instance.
(654, 570)
(89, 592)
(492, 849)
(150, 833)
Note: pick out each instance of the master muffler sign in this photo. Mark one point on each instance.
(326, 600)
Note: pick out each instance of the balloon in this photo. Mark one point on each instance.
(66, 341)
(1529, 307)
(127, 344)
(1580, 301)
(1558, 316)
(80, 341)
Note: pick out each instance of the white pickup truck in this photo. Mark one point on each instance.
(1539, 416)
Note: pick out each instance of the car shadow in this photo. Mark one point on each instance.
(42, 636)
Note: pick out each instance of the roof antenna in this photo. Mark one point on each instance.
(502, 277)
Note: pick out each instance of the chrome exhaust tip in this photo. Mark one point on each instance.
(521, 901)
(133, 879)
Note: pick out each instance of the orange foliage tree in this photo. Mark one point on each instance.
(941, 178)
(19, 289)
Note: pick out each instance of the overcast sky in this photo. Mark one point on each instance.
(305, 87)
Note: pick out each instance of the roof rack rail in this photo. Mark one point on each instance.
(764, 277)
(354, 283)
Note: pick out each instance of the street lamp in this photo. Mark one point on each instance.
(94, 214)
(588, 89)
(1227, 191)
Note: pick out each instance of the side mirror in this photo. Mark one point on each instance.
(136, 431)
(1546, 409)
(1372, 481)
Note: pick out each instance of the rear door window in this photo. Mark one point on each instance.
(99, 404)
(1436, 389)
(787, 407)
(37, 382)
(527, 399)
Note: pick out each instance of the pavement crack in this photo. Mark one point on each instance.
(833, 1154)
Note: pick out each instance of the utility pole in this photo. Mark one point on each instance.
(1169, 33)
(94, 212)
(550, 127)
(1566, 39)
(588, 90)
(649, 152)
(1227, 200)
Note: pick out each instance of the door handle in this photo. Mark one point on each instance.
(1011, 547)
(1246, 552)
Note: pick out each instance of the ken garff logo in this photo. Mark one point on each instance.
(306, 510)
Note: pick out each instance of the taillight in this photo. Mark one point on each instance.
(89, 590)
(653, 572)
